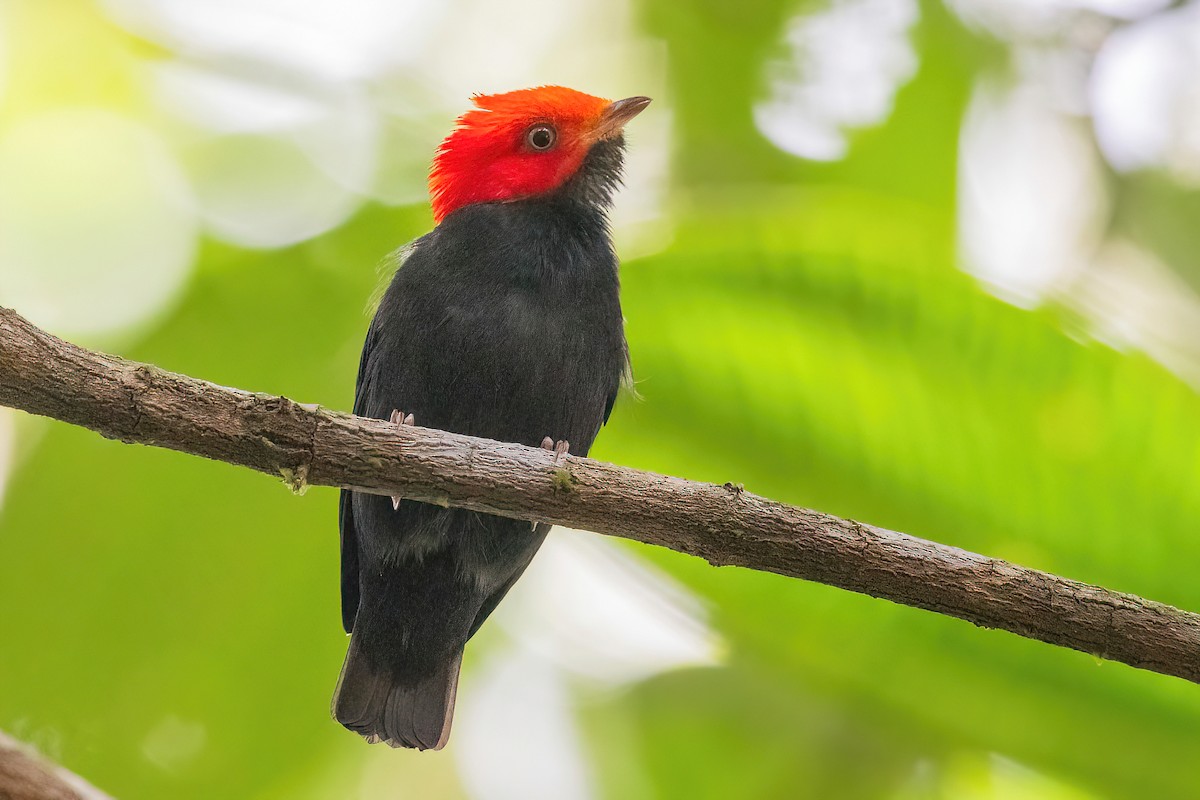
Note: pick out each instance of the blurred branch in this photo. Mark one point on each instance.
(725, 525)
(24, 776)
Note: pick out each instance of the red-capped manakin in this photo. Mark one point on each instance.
(503, 322)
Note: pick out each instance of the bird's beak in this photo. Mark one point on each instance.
(614, 118)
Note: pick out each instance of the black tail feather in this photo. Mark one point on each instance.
(380, 707)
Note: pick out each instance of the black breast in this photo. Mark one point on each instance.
(505, 323)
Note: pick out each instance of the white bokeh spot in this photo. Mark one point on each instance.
(1145, 95)
(1133, 299)
(1031, 194)
(264, 191)
(844, 69)
(516, 736)
(97, 225)
(174, 743)
(594, 609)
(585, 613)
(347, 40)
(1044, 18)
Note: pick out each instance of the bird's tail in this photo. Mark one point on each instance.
(382, 707)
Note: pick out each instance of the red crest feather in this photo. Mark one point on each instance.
(487, 157)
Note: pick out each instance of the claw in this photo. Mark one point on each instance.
(398, 417)
(559, 448)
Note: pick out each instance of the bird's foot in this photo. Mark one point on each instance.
(559, 448)
(398, 417)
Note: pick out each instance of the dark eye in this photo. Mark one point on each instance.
(541, 137)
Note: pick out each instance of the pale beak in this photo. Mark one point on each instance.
(616, 115)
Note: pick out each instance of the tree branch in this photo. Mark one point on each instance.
(24, 776)
(726, 526)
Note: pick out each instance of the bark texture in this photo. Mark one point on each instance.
(24, 776)
(725, 525)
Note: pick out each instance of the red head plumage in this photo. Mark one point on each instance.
(521, 144)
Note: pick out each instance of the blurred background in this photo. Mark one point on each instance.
(929, 265)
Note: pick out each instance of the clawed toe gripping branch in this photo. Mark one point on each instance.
(723, 524)
(400, 418)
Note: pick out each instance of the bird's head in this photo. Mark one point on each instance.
(526, 143)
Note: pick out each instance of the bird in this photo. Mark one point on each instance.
(503, 322)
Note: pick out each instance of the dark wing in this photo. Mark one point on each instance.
(349, 537)
(350, 588)
(362, 390)
(625, 381)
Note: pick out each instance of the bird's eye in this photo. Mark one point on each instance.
(541, 137)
